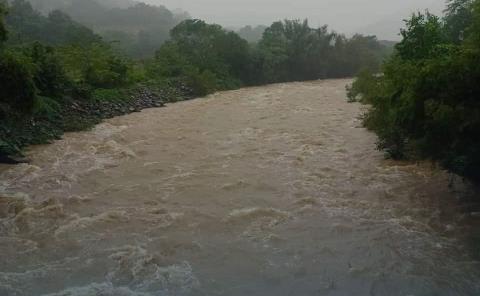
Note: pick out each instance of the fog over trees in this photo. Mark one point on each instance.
(371, 17)
(135, 28)
(383, 18)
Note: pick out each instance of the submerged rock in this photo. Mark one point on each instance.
(5, 159)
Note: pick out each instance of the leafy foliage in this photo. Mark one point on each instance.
(457, 19)
(18, 91)
(48, 73)
(423, 34)
(3, 30)
(207, 57)
(291, 51)
(426, 103)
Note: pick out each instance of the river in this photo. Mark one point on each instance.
(274, 190)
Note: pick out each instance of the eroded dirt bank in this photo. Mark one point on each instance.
(272, 190)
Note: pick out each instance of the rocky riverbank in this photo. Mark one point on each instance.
(74, 115)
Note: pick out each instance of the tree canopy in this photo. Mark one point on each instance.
(426, 104)
(289, 50)
(3, 30)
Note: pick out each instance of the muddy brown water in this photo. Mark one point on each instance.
(273, 190)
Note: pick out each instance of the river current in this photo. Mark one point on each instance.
(274, 190)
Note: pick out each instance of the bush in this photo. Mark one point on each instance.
(426, 103)
(81, 91)
(170, 64)
(204, 57)
(3, 30)
(95, 65)
(18, 91)
(49, 75)
(106, 74)
(102, 94)
(364, 87)
(45, 107)
(202, 83)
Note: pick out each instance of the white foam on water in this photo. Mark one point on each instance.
(81, 223)
(143, 271)
(258, 223)
(250, 214)
(99, 289)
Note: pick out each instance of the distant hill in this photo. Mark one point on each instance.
(101, 14)
(27, 25)
(45, 6)
(136, 28)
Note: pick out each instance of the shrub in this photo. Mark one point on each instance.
(102, 94)
(202, 83)
(49, 75)
(364, 87)
(95, 65)
(18, 89)
(45, 107)
(426, 103)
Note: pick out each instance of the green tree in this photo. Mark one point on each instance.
(473, 30)
(422, 35)
(274, 51)
(198, 41)
(18, 91)
(291, 50)
(203, 54)
(95, 65)
(458, 17)
(48, 73)
(426, 103)
(3, 30)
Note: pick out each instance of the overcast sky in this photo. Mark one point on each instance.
(381, 17)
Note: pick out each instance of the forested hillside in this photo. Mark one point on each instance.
(45, 6)
(26, 25)
(135, 28)
(426, 104)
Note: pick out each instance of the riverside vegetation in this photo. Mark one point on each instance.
(426, 103)
(58, 75)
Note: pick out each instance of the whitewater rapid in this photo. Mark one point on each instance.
(274, 190)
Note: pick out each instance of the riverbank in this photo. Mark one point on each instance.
(17, 133)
